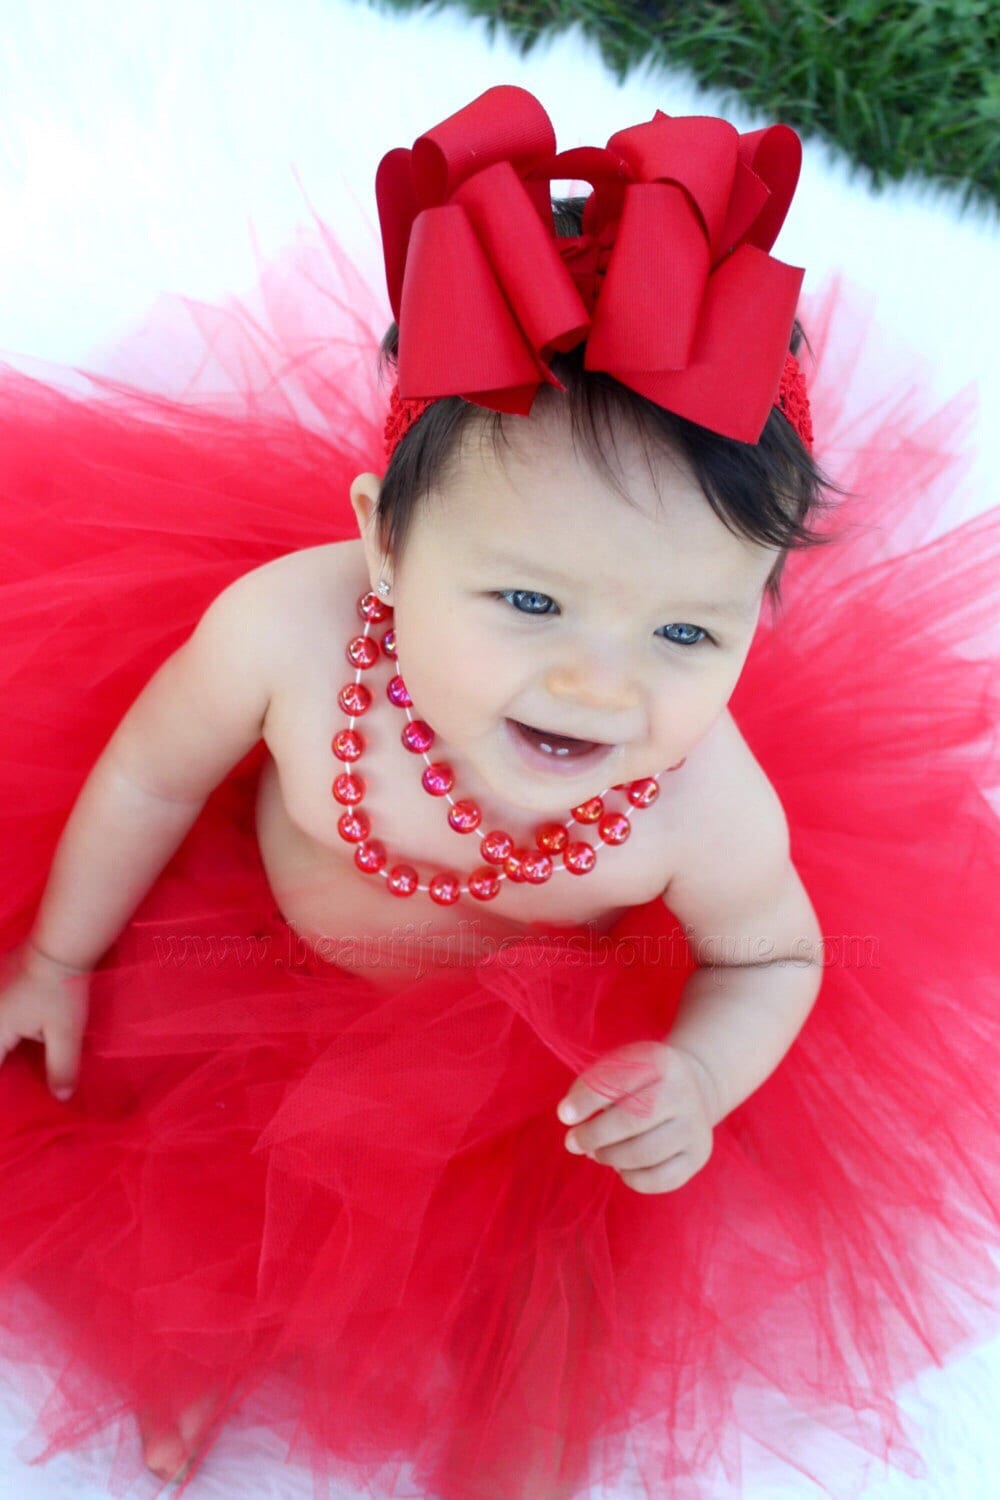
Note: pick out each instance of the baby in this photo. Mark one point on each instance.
(574, 593)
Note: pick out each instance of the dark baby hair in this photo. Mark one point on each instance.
(765, 492)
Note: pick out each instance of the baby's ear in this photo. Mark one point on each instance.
(365, 492)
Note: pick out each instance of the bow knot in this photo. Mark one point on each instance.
(670, 282)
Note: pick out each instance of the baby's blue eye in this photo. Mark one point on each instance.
(686, 640)
(531, 606)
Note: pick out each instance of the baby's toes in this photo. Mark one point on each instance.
(170, 1452)
(166, 1453)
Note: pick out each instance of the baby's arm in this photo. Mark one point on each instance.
(756, 939)
(751, 928)
(196, 718)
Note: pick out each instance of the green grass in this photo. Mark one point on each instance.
(906, 86)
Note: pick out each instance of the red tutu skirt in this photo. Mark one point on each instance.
(346, 1212)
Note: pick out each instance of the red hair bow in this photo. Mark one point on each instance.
(670, 282)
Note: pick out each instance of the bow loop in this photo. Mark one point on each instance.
(774, 156)
(646, 319)
(697, 153)
(504, 124)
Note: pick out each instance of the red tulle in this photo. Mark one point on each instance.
(347, 1211)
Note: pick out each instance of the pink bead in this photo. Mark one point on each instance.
(614, 828)
(445, 888)
(354, 698)
(371, 607)
(537, 867)
(354, 826)
(348, 744)
(438, 779)
(644, 792)
(417, 736)
(514, 865)
(362, 651)
(348, 788)
(464, 816)
(496, 846)
(579, 858)
(551, 837)
(370, 856)
(588, 812)
(402, 880)
(395, 691)
(484, 883)
(389, 644)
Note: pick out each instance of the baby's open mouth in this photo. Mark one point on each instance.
(561, 746)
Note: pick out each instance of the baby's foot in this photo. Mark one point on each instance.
(170, 1452)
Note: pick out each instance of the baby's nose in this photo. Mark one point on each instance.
(596, 683)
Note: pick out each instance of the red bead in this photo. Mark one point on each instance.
(614, 828)
(579, 858)
(370, 856)
(552, 837)
(348, 788)
(438, 779)
(484, 883)
(354, 698)
(402, 880)
(354, 826)
(537, 867)
(496, 846)
(371, 607)
(465, 816)
(389, 644)
(417, 736)
(445, 888)
(588, 812)
(362, 651)
(395, 691)
(678, 765)
(644, 792)
(348, 744)
(514, 865)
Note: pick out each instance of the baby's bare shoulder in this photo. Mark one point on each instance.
(735, 888)
(301, 591)
(730, 811)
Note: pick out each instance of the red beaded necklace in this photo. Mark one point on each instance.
(504, 859)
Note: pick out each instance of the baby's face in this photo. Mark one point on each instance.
(531, 593)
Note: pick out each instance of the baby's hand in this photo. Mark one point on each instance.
(656, 1106)
(39, 1002)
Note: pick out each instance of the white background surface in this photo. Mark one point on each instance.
(145, 147)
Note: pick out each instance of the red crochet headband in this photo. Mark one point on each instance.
(669, 286)
(792, 401)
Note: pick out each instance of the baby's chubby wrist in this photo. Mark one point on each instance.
(38, 964)
(706, 1084)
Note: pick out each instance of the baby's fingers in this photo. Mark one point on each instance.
(62, 1034)
(629, 1077)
